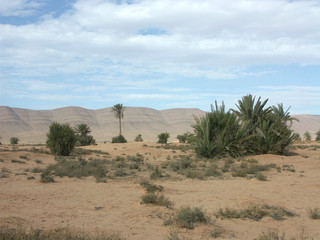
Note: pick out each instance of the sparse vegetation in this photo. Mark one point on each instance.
(61, 139)
(256, 212)
(19, 233)
(151, 188)
(156, 199)
(14, 140)
(187, 217)
(314, 213)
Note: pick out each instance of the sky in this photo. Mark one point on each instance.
(159, 54)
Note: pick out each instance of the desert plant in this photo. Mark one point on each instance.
(61, 139)
(156, 199)
(14, 140)
(118, 113)
(46, 177)
(138, 138)
(186, 217)
(19, 233)
(297, 136)
(314, 213)
(318, 135)
(82, 132)
(219, 133)
(307, 136)
(119, 139)
(151, 188)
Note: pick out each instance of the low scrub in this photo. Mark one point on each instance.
(7, 233)
(119, 139)
(14, 140)
(138, 138)
(187, 217)
(256, 212)
(156, 199)
(151, 188)
(314, 213)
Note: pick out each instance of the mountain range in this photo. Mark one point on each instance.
(31, 126)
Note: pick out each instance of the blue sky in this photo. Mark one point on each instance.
(159, 53)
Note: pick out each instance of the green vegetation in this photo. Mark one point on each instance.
(187, 217)
(151, 188)
(163, 137)
(255, 212)
(7, 233)
(119, 139)
(185, 138)
(118, 112)
(138, 138)
(82, 132)
(14, 140)
(307, 136)
(318, 135)
(156, 199)
(253, 128)
(61, 139)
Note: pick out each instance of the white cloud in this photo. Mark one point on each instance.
(18, 7)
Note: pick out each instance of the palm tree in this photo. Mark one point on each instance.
(82, 129)
(118, 112)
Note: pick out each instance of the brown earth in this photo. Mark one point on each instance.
(86, 206)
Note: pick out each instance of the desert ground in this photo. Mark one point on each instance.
(115, 204)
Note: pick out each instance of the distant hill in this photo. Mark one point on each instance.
(31, 126)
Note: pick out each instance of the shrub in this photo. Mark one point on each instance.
(185, 138)
(255, 212)
(186, 217)
(297, 136)
(160, 200)
(46, 177)
(14, 140)
(163, 137)
(307, 136)
(61, 139)
(314, 213)
(82, 133)
(8, 233)
(119, 139)
(138, 138)
(151, 188)
(318, 135)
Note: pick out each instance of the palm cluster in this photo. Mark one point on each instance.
(251, 128)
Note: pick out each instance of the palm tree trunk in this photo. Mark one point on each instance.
(120, 125)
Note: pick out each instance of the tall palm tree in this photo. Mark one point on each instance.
(118, 112)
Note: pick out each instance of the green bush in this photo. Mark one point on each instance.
(307, 136)
(156, 199)
(14, 140)
(119, 139)
(186, 217)
(138, 138)
(82, 133)
(219, 133)
(163, 137)
(61, 139)
(185, 138)
(318, 135)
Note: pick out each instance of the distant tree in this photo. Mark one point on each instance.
(297, 136)
(318, 135)
(82, 131)
(119, 139)
(14, 140)
(163, 137)
(118, 113)
(307, 136)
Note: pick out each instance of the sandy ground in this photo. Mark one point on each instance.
(84, 205)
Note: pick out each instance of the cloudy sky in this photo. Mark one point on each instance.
(159, 53)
